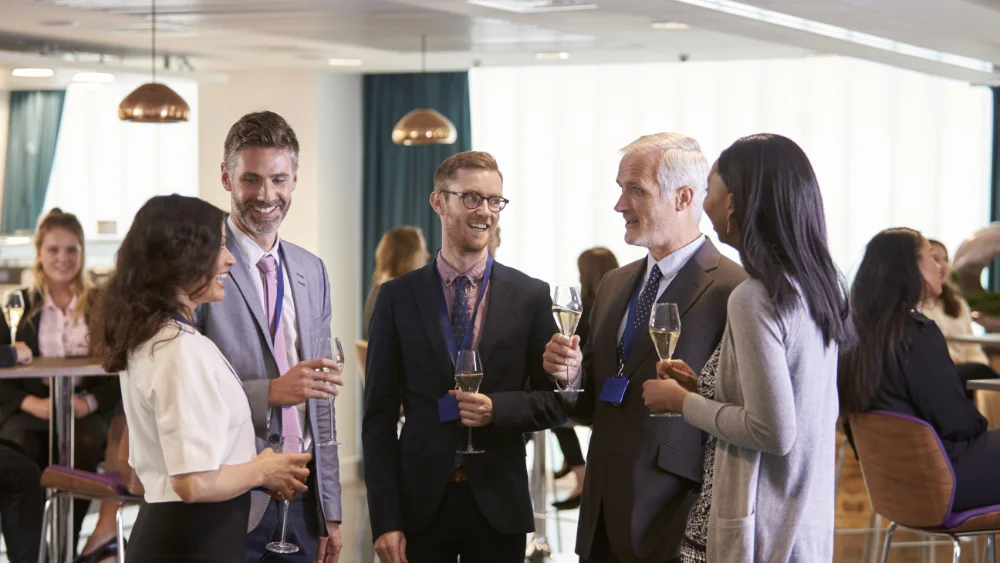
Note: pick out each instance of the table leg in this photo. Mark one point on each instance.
(538, 547)
(61, 429)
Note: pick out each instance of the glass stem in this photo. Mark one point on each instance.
(470, 439)
(284, 520)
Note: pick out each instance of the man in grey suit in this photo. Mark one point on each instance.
(275, 314)
(643, 473)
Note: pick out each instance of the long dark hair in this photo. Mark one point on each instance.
(949, 298)
(593, 264)
(172, 246)
(779, 210)
(887, 287)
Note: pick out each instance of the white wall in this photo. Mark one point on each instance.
(325, 217)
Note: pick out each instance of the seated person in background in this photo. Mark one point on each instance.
(401, 250)
(901, 362)
(55, 325)
(494, 243)
(191, 438)
(953, 317)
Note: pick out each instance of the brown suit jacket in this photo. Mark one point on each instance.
(644, 473)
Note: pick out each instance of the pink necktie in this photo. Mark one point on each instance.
(289, 415)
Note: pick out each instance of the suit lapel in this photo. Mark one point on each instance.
(240, 274)
(300, 297)
(623, 285)
(494, 325)
(427, 292)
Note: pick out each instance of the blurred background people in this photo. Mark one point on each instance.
(401, 250)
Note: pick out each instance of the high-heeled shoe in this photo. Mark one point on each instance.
(562, 472)
(569, 503)
(108, 549)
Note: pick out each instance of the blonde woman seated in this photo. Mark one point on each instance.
(401, 250)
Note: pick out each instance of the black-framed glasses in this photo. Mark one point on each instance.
(472, 200)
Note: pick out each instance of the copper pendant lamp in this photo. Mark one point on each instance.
(424, 126)
(153, 102)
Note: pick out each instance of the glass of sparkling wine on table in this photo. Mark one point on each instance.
(665, 330)
(468, 378)
(567, 308)
(287, 445)
(13, 310)
(323, 346)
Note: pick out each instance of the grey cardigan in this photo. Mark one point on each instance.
(775, 416)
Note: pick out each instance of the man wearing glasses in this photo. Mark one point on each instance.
(428, 502)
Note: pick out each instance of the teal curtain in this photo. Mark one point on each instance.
(994, 269)
(31, 148)
(398, 179)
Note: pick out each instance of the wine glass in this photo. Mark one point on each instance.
(287, 445)
(665, 330)
(567, 308)
(13, 310)
(468, 378)
(322, 350)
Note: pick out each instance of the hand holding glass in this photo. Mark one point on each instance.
(567, 308)
(323, 345)
(468, 378)
(665, 330)
(13, 310)
(287, 445)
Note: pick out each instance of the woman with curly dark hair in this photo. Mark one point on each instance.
(191, 440)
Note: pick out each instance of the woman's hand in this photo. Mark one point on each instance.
(663, 396)
(283, 473)
(679, 372)
(37, 407)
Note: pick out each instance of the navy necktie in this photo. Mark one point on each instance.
(460, 314)
(642, 311)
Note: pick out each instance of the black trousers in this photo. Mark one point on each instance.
(600, 550)
(21, 501)
(174, 532)
(974, 371)
(32, 434)
(569, 443)
(976, 483)
(459, 528)
(301, 530)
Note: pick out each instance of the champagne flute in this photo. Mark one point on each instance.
(665, 330)
(13, 310)
(567, 308)
(323, 345)
(468, 378)
(287, 445)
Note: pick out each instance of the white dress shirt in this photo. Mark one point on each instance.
(670, 266)
(251, 255)
(186, 410)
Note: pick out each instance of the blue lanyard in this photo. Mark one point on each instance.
(629, 335)
(181, 319)
(449, 335)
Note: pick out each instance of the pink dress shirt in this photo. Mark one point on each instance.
(475, 275)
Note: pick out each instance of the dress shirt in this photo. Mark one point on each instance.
(475, 275)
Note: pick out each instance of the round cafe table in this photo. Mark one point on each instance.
(60, 372)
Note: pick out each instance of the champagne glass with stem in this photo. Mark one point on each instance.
(323, 345)
(468, 378)
(13, 310)
(287, 445)
(665, 330)
(567, 308)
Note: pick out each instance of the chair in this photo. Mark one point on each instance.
(74, 483)
(911, 482)
(361, 350)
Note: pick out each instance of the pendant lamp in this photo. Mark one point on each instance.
(153, 102)
(424, 126)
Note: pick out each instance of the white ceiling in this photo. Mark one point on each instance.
(216, 36)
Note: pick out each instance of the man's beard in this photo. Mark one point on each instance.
(259, 228)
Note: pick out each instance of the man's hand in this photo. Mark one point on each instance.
(663, 396)
(23, 353)
(476, 409)
(37, 407)
(81, 407)
(391, 547)
(328, 550)
(562, 358)
(305, 381)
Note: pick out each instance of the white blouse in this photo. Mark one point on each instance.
(186, 410)
(960, 352)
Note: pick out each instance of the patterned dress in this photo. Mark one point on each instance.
(696, 534)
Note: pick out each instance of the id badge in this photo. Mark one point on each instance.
(448, 409)
(614, 390)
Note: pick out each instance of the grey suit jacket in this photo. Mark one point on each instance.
(643, 473)
(238, 326)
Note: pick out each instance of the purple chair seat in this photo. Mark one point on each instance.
(97, 485)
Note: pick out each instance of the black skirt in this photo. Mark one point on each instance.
(198, 532)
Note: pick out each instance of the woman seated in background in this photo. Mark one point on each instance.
(953, 317)
(401, 250)
(901, 362)
(593, 264)
(190, 437)
(55, 325)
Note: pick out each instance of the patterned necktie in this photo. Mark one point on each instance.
(289, 416)
(642, 310)
(460, 314)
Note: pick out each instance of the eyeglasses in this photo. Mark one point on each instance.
(473, 200)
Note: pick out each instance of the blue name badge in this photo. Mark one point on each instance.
(448, 409)
(614, 390)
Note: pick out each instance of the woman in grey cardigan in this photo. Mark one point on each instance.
(775, 406)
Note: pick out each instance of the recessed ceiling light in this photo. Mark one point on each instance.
(843, 34)
(671, 26)
(60, 23)
(343, 62)
(552, 56)
(32, 72)
(93, 77)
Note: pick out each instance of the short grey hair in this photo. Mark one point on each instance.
(680, 162)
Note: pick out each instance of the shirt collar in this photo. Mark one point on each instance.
(50, 304)
(251, 252)
(448, 274)
(672, 263)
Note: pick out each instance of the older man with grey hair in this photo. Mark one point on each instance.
(643, 473)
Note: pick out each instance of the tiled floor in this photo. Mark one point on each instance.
(852, 515)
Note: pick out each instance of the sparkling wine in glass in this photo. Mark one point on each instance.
(287, 445)
(323, 349)
(468, 378)
(13, 310)
(665, 330)
(567, 308)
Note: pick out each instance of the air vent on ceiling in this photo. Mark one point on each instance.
(535, 6)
